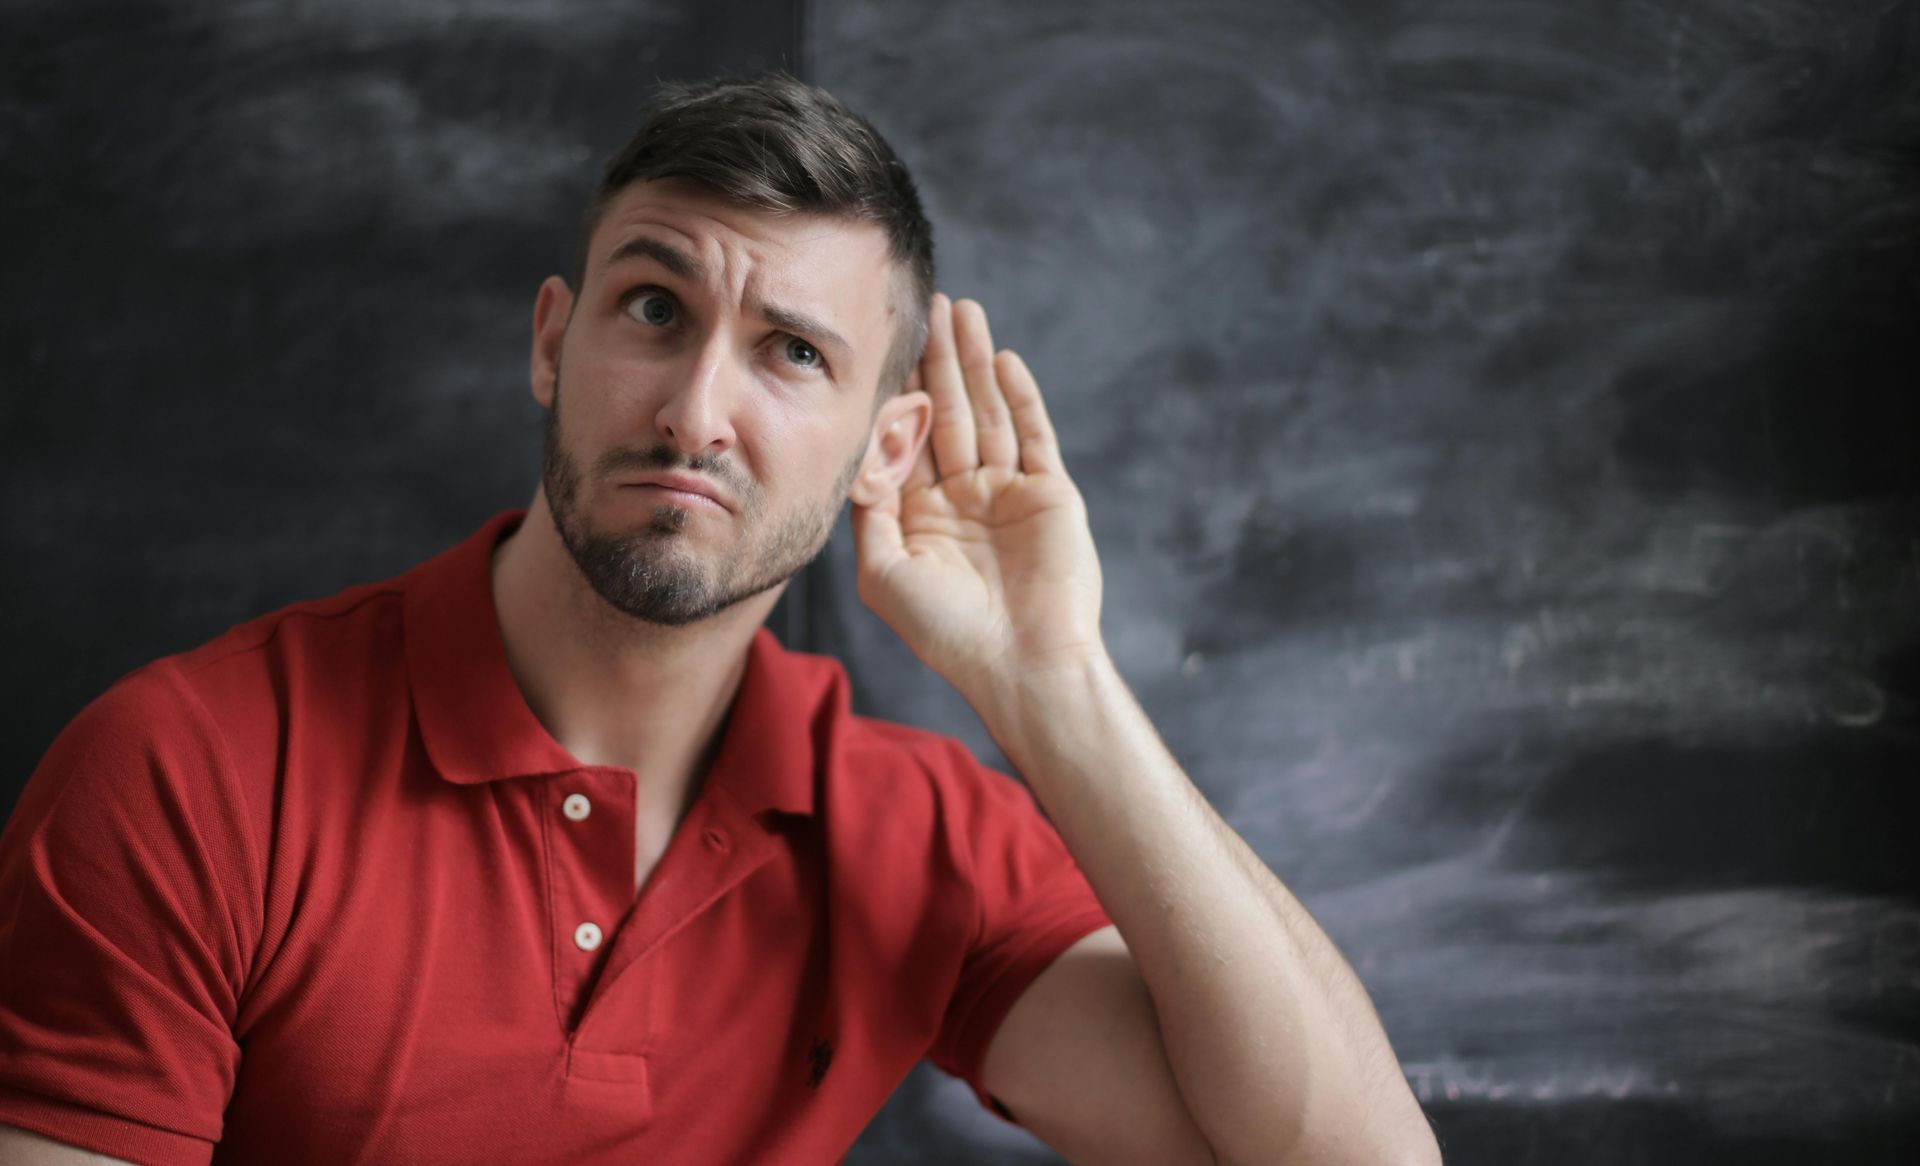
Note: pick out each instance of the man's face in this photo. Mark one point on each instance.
(727, 351)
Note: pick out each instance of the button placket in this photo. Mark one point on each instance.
(735, 847)
(590, 848)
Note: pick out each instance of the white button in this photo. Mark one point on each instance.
(576, 806)
(586, 937)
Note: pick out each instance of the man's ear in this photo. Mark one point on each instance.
(551, 308)
(900, 429)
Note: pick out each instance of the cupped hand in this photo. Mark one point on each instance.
(982, 561)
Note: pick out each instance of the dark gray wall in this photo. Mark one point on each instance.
(268, 292)
(1499, 426)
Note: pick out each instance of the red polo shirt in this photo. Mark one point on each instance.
(324, 890)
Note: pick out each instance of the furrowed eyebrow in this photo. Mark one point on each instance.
(688, 268)
(805, 326)
(679, 262)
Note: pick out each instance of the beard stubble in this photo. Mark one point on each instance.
(653, 574)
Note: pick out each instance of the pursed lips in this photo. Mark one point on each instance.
(682, 488)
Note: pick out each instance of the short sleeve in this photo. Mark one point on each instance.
(1033, 903)
(127, 907)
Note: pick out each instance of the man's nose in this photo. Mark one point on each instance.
(697, 415)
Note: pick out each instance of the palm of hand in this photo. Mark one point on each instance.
(997, 562)
(982, 560)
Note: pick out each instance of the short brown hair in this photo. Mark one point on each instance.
(776, 143)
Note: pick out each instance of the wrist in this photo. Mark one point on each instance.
(1016, 677)
(1037, 709)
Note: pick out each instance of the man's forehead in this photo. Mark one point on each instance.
(705, 222)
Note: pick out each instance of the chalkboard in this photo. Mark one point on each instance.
(269, 295)
(1499, 424)
(1497, 419)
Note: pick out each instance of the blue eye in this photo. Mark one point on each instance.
(801, 353)
(652, 308)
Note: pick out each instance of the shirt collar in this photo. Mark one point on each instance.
(476, 726)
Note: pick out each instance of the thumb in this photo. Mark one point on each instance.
(877, 540)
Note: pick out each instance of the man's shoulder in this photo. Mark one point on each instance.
(911, 800)
(235, 693)
(350, 633)
(340, 635)
(359, 611)
(826, 691)
(205, 717)
(941, 755)
(889, 762)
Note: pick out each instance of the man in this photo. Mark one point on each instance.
(545, 851)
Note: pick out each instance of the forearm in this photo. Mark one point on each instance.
(1277, 1049)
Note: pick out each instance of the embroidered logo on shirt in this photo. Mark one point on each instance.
(821, 1057)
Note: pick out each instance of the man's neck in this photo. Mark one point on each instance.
(611, 689)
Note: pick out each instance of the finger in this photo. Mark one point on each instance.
(923, 474)
(954, 449)
(877, 540)
(1039, 447)
(993, 426)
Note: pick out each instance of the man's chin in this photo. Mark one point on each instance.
(632, 521)
(666, 598)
